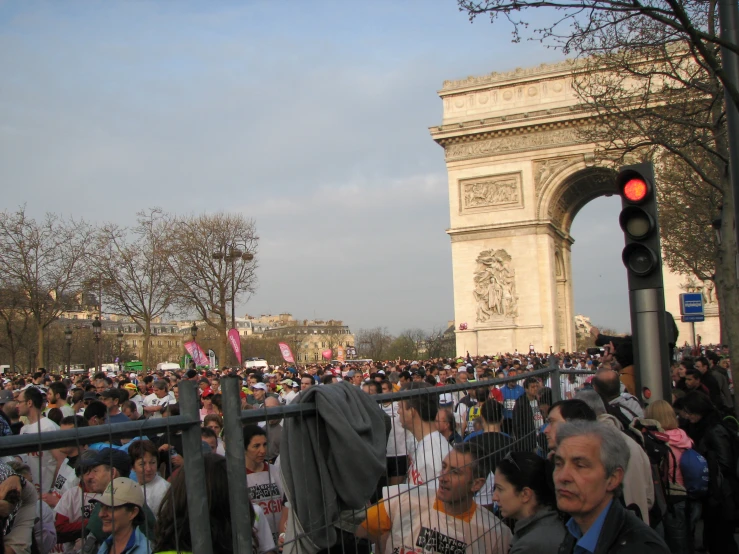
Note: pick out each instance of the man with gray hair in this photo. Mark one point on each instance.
(589, 467)
(638, 486)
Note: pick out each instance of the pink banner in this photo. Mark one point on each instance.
(287, 354)
(198, 356)
(326, 354)
(340, 353)
(235, 340)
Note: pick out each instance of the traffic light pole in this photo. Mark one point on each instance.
(649, 336)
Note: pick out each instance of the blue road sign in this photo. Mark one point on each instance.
(692, 318)
(691, 303)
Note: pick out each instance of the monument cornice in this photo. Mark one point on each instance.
(520, 74)
(520, 228)
(507, 141)
(500, 123)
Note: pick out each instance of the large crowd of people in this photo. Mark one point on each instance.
(486, 466)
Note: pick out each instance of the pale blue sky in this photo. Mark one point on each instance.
(309, 116)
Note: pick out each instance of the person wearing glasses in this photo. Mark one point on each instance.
(524, 492)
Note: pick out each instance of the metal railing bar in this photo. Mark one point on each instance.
(19, 444)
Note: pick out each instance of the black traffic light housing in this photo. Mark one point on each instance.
(642, 257)
(640, 224)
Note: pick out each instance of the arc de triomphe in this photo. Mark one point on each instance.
(518, 175)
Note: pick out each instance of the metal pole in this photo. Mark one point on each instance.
(555, 384)
(692, 333)
(650, 345)
(238, 493)
(233, 296)
(729, 21)
(197, 495)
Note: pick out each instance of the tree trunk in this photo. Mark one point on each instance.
(727, 287)
(223, 344)
(145, 346)
(39, 346)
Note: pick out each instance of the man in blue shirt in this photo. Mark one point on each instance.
(589, 467)
(511, 392)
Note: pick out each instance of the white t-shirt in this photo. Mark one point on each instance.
(66, 479)
(154, 400)
(74, 505)
(538, 416)
(154, 491)
(419, 525)
(264, 533)
(397, 439)
(266, 490)
(43, 479)
(139, 401)
(425, 463)
(44, 530)
(66, 409)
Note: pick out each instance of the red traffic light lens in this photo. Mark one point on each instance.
(635, 189)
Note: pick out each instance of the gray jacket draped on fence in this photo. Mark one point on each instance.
(331, 461)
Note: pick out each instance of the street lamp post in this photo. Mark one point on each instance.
(119, 338)
(96, 330)
(232, 255)
(68, 340)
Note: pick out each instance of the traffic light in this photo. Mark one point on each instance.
(643, 260)
(639, 222)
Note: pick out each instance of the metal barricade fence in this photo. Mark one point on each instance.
(187, 423)
(561, 383)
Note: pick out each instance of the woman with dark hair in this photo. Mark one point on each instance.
(215, 422)
(145, 461)
(524, 492)
(173, 524)
(713, 440)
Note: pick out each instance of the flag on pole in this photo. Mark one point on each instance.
(235, 340)
(197, 353)
(287, 354)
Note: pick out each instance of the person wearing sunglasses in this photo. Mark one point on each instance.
(524, 492)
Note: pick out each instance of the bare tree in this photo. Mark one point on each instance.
(595, 26)
(651, 84)
(134, 261)
(204, 283)
(45, 261)
(373, 343)
(15, 321)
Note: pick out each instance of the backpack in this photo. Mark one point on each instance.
(694, 468)
(667, 491)
(626, 423)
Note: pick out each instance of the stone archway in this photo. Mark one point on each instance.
(518, 174)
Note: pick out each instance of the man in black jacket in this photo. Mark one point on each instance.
(589, 467)
(527, 415)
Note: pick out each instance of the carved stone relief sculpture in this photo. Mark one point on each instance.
(706, 288)
(492, 192)
(495, 286)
